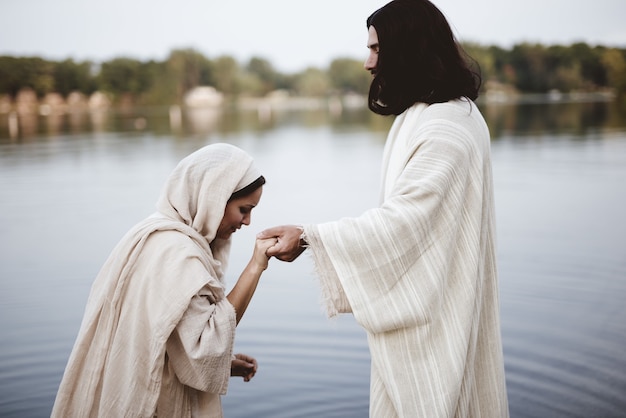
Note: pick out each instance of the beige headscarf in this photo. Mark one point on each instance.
(116, 364)
(198, 189)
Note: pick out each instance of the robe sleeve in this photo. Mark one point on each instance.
(200, 348)
(391, 263)
(333, 295)
(200, 341)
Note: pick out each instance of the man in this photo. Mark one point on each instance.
(419, 271)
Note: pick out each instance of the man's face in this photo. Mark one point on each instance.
(372, 44)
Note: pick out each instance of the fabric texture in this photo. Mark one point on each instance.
(158, 329)
(419, 271)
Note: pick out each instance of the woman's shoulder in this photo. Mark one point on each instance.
(170, 239)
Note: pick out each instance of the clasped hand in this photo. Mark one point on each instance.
(287, 246)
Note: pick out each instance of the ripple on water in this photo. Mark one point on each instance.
(564, 337)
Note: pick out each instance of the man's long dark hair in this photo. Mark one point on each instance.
(419, 59)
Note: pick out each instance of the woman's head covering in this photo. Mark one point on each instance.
(198, 189)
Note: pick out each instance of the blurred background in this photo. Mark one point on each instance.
(98, 102)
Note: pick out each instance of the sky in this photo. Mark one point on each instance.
(291, 34)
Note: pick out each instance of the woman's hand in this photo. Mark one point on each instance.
(243, 365)
(260, 257)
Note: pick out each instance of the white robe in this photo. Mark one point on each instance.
(419, 272)
(158, 332)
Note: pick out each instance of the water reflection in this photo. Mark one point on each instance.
(548, 118)
(577, 118)
(202, 120)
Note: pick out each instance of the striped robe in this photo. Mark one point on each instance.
(419, 272)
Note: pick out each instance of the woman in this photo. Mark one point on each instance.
(158, 332)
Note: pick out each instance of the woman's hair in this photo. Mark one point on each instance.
(419, 59)
(249, 189)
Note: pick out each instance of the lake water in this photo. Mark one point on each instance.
(72, 185)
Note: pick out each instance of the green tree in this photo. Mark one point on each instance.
(614, 61)
(312, 82)
(187, 68)
(71, 76)
(527, 67)
(562, 69)
(123, 75)
(591, 67)
(499, 63)
(11, 77)
(529, 62)
(227, 75)
(348, 75)
(32, 72)
(251, 85)
(163, 86)
(267, 77)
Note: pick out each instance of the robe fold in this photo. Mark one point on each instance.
(419, 271)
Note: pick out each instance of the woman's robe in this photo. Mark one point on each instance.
(158, 332)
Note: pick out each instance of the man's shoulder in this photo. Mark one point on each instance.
(454, 108)
(460, 112)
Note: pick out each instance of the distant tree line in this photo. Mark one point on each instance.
(535, 68)
(525, 68)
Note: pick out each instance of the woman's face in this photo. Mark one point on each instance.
(237, 213)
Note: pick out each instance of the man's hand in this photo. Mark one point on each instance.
(243, 365)
(288, 247)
